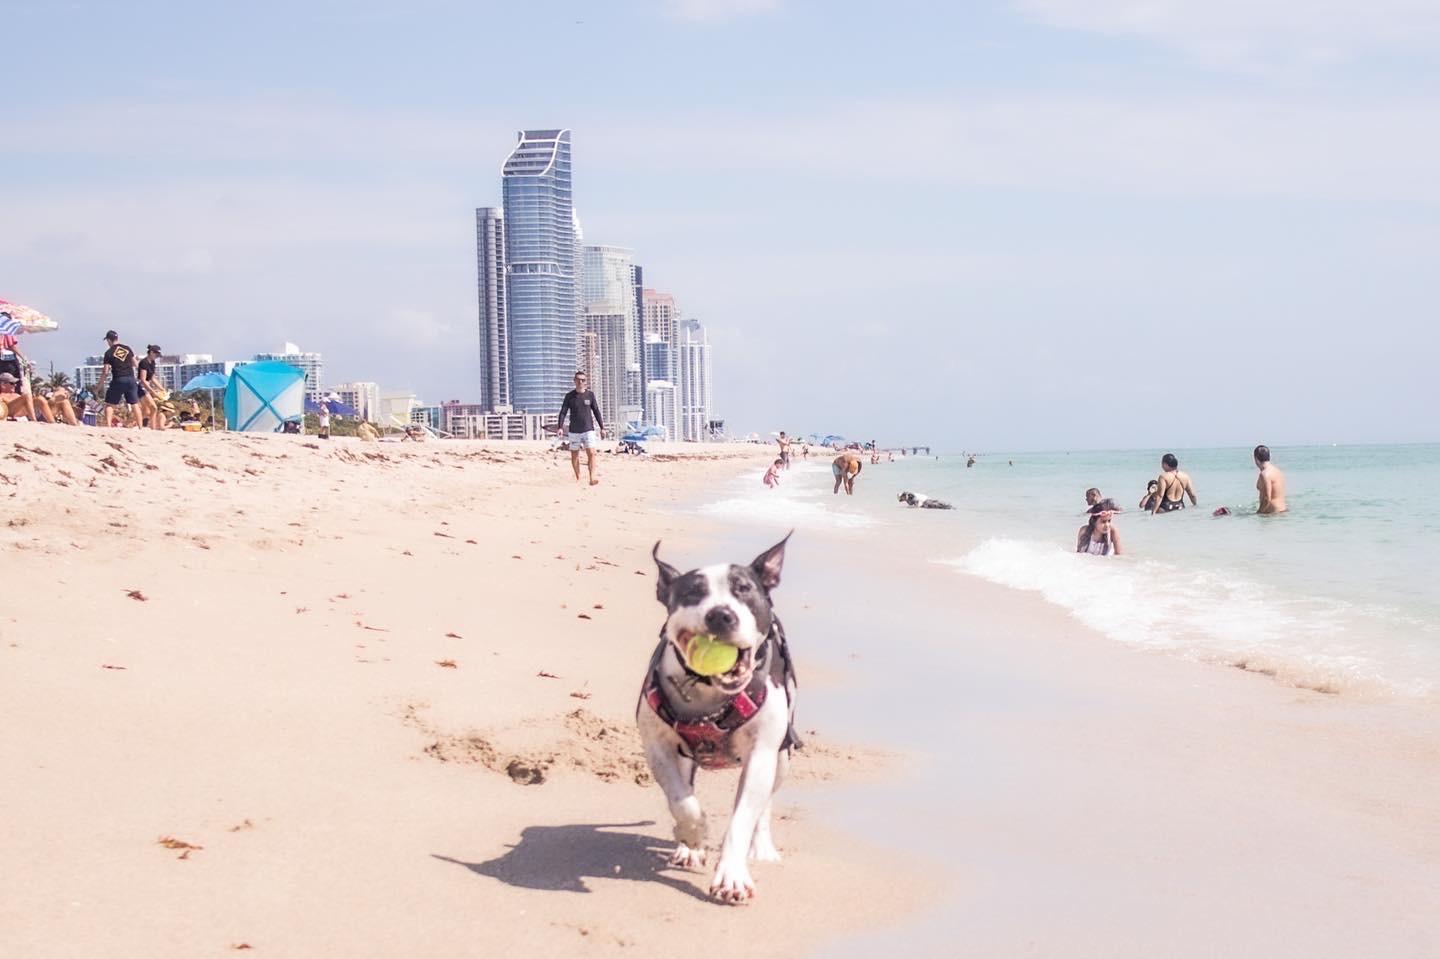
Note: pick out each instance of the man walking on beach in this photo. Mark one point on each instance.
(1270, 484)
(784, 442)
(846, 467)
(586, 425)
(1175, 485)
(119, 361)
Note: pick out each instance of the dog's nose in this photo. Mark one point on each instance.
(721, 620)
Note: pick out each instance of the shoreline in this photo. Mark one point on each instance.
(1091, 798)
(985, 761)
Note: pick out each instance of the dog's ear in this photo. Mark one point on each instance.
(668, 575)
(767, 565)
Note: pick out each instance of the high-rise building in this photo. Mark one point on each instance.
(661, 315)
(609, 292)
(637, 285)
(658, 317)
(542, 301)
(311, 364)
(363, 398)
(696, 401)
(605, 362)
(661, 408)
(494, 333)
(659, 359)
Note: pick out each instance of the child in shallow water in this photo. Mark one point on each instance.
(1099, 537)
(772, 475)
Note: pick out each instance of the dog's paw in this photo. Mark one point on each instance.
(762, 849)
(686, 858)
(732, 883)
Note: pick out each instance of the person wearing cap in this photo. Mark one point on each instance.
(153, 396)
(119, 361)
(13, 403)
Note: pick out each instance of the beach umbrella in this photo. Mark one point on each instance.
(209, 382)
(336, 407)
(16, 319)
(206, 381)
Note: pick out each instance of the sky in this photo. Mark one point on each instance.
(994, 225)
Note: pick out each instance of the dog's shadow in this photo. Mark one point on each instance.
(561, 858)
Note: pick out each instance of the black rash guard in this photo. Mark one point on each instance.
(584, 412)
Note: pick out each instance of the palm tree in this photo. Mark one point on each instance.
(59, 380)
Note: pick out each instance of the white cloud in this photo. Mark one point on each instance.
(1136, 145)
(1251, 34)
(712, 10)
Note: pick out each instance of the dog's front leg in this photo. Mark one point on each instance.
(732, 882)
(676, 777)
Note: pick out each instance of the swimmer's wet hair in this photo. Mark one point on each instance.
(1262, 454)
(1170, 461)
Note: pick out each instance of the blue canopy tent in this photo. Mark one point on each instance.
(262, 397)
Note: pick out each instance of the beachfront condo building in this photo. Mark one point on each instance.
(637, 286)
(311, 364)
(658, 317)
(604, 345)
(608, 282)
(661, 409)
(696, 402)
(362, 397)
(494, 334)
(542, 300)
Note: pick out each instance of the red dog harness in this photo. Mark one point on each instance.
(706, 738)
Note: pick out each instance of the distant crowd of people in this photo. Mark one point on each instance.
(126, 383)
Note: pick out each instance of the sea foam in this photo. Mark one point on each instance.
(1202, 614)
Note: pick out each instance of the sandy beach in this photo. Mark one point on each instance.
(385, 692)
(376, 699)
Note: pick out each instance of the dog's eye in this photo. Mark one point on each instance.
(742, 587)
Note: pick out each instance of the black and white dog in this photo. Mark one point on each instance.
(741, 717)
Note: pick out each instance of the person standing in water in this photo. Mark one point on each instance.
(1174, 486)
(1270, 484)
(784, 442)
(846, 467)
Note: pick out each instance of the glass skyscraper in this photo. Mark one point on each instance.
(542, 299)
(494, 330)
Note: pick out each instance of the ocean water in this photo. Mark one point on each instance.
(1340, 593)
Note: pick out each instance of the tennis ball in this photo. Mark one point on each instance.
(709, 657)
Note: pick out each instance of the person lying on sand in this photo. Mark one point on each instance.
(52, 403)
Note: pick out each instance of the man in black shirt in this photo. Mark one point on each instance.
(584, 411)
(119, 361)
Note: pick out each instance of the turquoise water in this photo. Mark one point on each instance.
(1338, 593)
